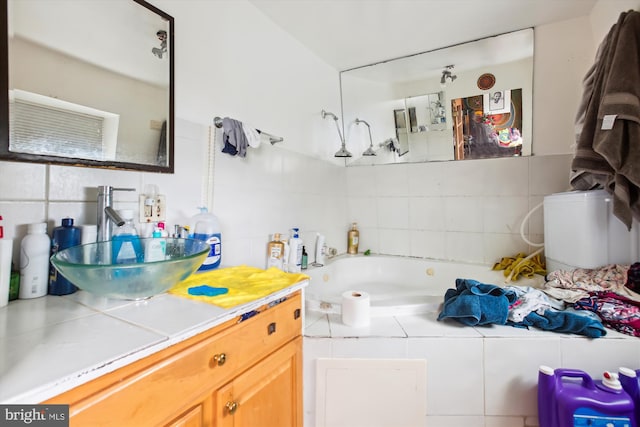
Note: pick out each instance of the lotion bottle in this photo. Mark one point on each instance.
(156, 248)
(295, 252)
(353, 237)
(34, 262)
(275, 252)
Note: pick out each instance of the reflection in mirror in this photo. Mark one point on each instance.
(409, 102)
(90, 83)
(490, 124)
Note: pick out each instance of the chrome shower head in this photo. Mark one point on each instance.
(342, 152)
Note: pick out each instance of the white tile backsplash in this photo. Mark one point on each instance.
(464, 214)
(14, 186)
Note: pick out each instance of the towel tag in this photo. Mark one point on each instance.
(607, 121)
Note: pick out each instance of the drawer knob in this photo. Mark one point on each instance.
(232, 407)
(271, 329)
(219, 359)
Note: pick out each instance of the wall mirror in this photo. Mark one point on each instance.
(89, 84)
(433, 106)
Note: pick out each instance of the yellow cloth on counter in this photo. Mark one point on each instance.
(245, 284)
(534, 265)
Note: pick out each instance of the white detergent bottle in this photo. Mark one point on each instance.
(34, 262)
(295, 252)
(205, 226)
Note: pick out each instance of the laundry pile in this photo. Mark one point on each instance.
(580, 301)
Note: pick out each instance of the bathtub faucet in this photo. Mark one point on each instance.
(330, 252)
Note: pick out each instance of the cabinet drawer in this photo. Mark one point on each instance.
(235, 349)
(156, 393)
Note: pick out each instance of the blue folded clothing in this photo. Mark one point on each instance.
(474, 303)
(564, 321)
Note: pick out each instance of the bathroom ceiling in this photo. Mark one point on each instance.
(352, 33)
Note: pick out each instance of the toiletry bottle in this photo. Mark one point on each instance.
(319, 255)
(155, 249)
(205, 226)
(6, 254)
(275, 252)
(126, 248)
(34, 262)
(14, 284)
(295, 252)
(63, 237)
(285, 254)
(353, 236)
(305, 259)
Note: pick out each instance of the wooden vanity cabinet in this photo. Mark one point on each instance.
(237, 374)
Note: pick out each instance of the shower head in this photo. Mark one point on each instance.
(369, 151)
(342, 152)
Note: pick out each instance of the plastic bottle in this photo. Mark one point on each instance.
(205, 226)
(156, 248)
(631, 384)
(564, 401)
(126, 246)
(305, 259)
(319, 256)
(295, 252)
(6, 254)
(286, 254)
(275, 252)
(353, 237)
(34, 262)
(63, 237)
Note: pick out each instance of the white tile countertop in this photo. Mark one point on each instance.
(52, 344)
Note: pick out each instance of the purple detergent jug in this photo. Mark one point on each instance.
(629, 380)
(570, 398)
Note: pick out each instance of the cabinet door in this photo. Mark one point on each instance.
(269, 394)
(194, 417)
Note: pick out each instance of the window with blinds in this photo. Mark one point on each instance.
(47, 126)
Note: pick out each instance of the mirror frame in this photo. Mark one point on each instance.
(6, 155)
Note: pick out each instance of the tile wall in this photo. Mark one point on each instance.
(465, 211)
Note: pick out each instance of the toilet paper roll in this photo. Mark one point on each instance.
(6, 252)
(356, 308)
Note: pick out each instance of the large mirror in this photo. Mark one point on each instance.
(90, 83)
(467, 101)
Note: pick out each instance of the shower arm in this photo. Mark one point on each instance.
(358, 121)
(342, 141)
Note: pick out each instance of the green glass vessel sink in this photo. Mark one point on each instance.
(91, 268)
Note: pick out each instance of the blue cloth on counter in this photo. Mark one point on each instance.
(206, 290)
(564, 321)
(473, 303)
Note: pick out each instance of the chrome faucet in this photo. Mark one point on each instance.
(107, 216)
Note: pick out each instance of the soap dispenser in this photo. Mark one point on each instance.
(353, 236)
